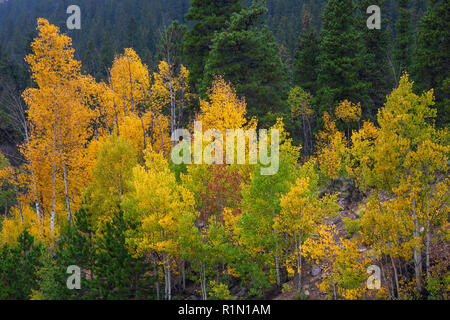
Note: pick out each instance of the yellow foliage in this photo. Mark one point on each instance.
(344, 267)
(23, 220)
(332, 148)
(348, 111)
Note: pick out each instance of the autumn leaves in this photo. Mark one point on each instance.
(105, 147)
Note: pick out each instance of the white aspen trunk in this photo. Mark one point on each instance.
(131, 86)
(427, 241)
(20, 208)
(172, 105)
(395, 276)
(180, 117)
(169, 281)
(277, 263)
(417, 251)
(52, 213)
(66, 191)
(203, 282)
(157, 291)
(162, 138)
(143, 133)
(33, 178)
(114, 105)
(299, 263)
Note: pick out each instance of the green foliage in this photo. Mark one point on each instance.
(432, 56)
(208, 17)
(73, 248)
(19, 268)
(352, 226)
(404, 39)
(7, 192)
(306, 56)
(117, 274)
(341, 57)
(219, 291)
(116, 160)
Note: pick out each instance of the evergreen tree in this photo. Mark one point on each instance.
(246, 54)
(18, 268)
(74, 247)
(106, 53)
(306, 63)
(91, 61)
(432, 58)
(209, 16)
(117, 274)
(341, 57)
(404, 39)
(376, 68)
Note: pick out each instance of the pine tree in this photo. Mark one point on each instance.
(306, 63)
(18, 268)
(403, 51)
(432, 57)
(209, 16)
(246, 54)
(341, 57)
(117, 274)
(74, 248)
(376, 68)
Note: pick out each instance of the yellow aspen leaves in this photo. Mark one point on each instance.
(348, 112)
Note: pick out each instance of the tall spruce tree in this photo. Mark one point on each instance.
(376, 67)
(209, 16)
(341, 57)
(74, 248)
(118, 274)
(246, 54)
(432, 57)
(403, 48)
(18, 268)
(305, 62)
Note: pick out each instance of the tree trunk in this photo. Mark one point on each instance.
(52, 214)
(299, 263)
(203, 282)
(277, 263)
(395, 277)
(66, 190)
(183, 275)
(417, 251)
(36, 201)
(131, 86)
(427, 249)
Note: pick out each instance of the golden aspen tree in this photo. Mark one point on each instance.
(115, 162)
(361, 158)
(344, 267)
(331, 148)
(407, 158)
(348, 112)
(134, 106)
(217, 188)
(300, 102)
(130, 81)
(171, 90)
(58, 120)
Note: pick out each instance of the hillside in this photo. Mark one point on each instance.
(225, 150)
